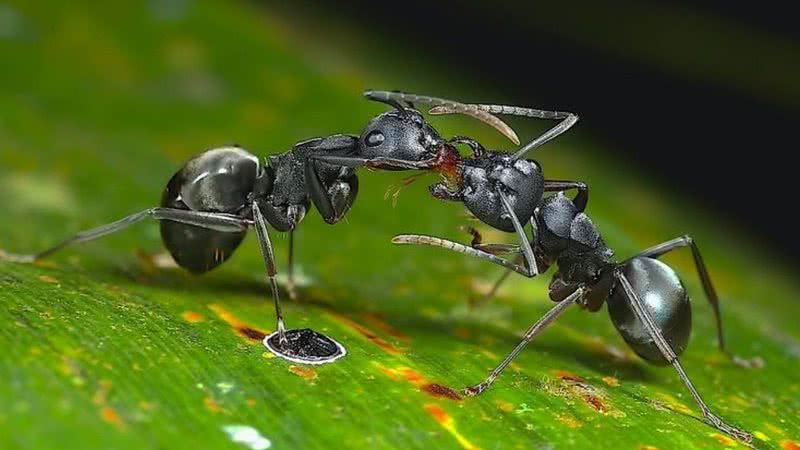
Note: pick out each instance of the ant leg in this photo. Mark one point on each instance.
(477, 242)
(332, 201)
(581, 198)
(525, 244)
(495, 287)
(211, 221)
(644, 316)
(290, 268)
(477, 148)
(269, 262)
(532, 332)
(708, 287)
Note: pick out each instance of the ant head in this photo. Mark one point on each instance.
(520, 180)
(401, 134)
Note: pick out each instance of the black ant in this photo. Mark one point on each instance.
(211, 202)
(647, 302)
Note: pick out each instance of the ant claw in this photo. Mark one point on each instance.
(736, 433)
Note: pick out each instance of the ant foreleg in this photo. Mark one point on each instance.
(644, 316)
(269, 261)
(711, 294)
(290, 286)
(532, 332)
(524, 243)
(207, 220)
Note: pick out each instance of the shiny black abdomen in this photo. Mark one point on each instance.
(663, 294)
(218, 180)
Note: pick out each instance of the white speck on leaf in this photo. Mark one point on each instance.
(248, 436)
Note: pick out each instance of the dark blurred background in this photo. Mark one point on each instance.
(702, 96)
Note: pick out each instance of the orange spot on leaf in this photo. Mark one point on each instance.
(447, 422)
(48, 279)
(378, 322)
(242, 329)
(568, 376)
(424, 385)
(569, 421)
(504, 406)
(110, 415)
(438, 413)
(192, 317)
(368, 334)
(303, 372)
(611, 381)
(724, 440)
(790, 445)
(211, 405)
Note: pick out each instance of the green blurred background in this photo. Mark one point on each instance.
(104, 348)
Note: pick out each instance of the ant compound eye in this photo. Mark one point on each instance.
(375, 138)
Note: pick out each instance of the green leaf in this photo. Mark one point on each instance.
(105, 346)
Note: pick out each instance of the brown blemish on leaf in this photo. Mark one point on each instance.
(568, 376)
(192, 317)
(611, 381)
(250, 402)
(724, 440)
(424, 385)
(648, 447)
(462, 332)
(303, 372)
(573, 386)
(437, 390)
(378, 322)
(789, 445)
(447, 422)
(242, 329)
(48, 279)
(504, 406)
(367, 333)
